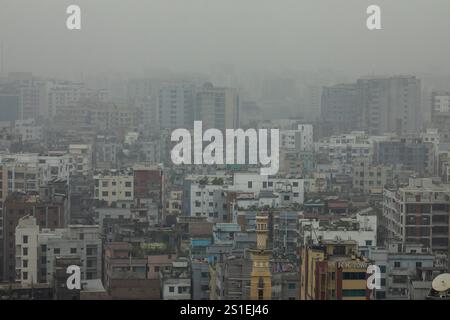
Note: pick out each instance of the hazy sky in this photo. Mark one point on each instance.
(190, 35)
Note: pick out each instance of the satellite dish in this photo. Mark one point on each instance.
(441, 282)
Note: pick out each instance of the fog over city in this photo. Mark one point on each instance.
(225, 150)
(192, 35)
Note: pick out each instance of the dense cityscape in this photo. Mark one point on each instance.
(88, 184)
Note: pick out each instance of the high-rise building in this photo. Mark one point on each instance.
(418, 214)
(10, 109)
(217, 107)
(176, 105)
(64, 96)
(411, 154)
(340, 112)
(31, 91)
(440, 114)
(440, 102)
(370, 178)
(37, 250)
(298, 139)
(49, 213)
(390, 104)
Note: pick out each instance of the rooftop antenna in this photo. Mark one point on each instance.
(441, 283)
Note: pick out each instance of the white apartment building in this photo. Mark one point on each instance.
(176, 283)
(217, 107)
(174, 202)
(176, 105)
(36, 250)
(204, 196)
(131, 138)
(418, 214)
(28, 131)
(398, 265)
(64, 94)
(344, 148)
(290, 189)
(362, 228)
(114, 185)
(440, 102)
(300, 139)
(54, 166)
(263, 199)
(370, 178)
(80, 156)
(27, 255)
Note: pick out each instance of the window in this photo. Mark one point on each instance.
(25, 263)
(104, 193)
(264, 184)
(156, 269)
(56, 251)
(128, 194)
(25, 239)
(292, 285)
(339, 250)
(24, 251)
(260, 289)
(295, 184)
(353, 293)
(171, 289)
(250, 184)
(397, 264)
(25, 275)
(383, 269)
(73, 250)
(354, 275)
(368, 242)
(128, 184)
(333, 292)
(418, 264)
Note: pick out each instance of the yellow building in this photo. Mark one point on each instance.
(260, 277)
(332, 271)
(112, 186)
